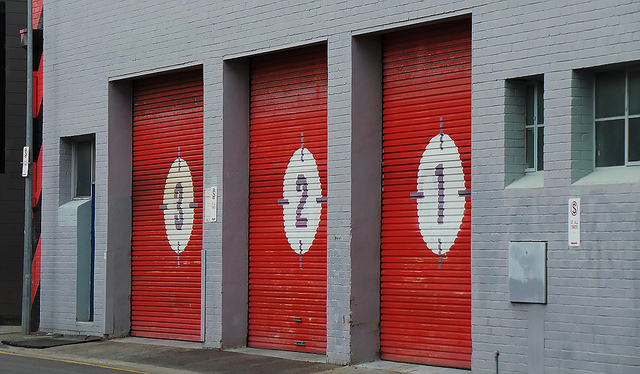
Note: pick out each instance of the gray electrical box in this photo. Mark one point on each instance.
(528, 272)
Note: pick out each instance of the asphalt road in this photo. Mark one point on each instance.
(17, 363)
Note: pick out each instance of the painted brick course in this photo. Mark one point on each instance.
(590, 323)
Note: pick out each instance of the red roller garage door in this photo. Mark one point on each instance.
(167, 206)
(426, 211)
(288, 171)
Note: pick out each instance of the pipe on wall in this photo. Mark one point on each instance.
(28, 181)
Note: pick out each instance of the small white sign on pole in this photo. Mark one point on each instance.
(574, 222)
(211, 204)
(25, 161)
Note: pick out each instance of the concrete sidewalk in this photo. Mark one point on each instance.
(156, 356)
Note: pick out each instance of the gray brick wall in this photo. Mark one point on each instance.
(590, 291)
(590, 322)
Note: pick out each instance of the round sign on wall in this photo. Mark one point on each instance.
(301, 200)
(178, 205)
(440, 202)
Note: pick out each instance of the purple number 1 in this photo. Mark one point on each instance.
(440, 175)
(178, 218)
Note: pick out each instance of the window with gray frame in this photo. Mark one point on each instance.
(83, 169)
(617, 118)
(534, 126)
(524, 130)
(83, 177)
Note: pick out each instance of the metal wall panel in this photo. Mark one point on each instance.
(288, 171)
(426, 211)
(167, 206)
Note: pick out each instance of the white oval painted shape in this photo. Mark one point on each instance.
(301, 191)
(441, 207)
(178, 205)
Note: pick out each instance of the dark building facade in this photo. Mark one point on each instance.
(12, 140)
(12, 133)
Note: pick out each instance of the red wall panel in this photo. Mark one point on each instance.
(287, 233)
(167, 206)
(426, 212)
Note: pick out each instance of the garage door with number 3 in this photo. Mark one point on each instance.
(167, 206)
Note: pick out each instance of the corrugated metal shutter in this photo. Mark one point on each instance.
(426, 212)
(287, 234)
(167, 206)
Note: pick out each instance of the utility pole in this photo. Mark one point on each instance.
(28, 182)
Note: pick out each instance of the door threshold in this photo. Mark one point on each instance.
(290, 355)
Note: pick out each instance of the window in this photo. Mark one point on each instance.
(82, 191)
(617, 118)
(534, 126)
(83, 169)
(524, 132)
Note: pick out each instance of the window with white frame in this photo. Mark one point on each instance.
(534, 126)
(617, 118)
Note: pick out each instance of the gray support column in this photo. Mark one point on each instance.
(339, 199)
(117, 307)
(235, 203)
(28, 183)
(366, 195)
